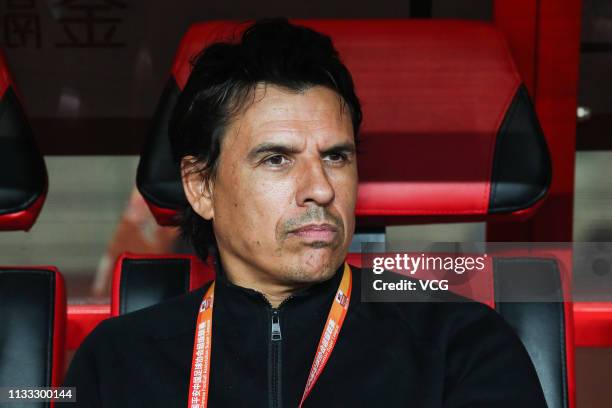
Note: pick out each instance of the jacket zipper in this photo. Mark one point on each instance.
(275, 360)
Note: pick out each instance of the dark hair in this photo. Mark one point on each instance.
(224, 77)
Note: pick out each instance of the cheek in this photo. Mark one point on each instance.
(254, 206)
(345, 187)
(272, 200)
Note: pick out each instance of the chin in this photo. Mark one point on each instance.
(316, 266)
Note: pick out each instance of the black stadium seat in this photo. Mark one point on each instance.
(450, 102)
(23, 175)
(543, 319)
(32, 299)
(32, 327)
(141, 280)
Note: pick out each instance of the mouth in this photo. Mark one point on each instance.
(316, 232)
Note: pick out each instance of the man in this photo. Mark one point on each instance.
(266, 133)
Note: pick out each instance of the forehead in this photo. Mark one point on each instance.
(276, 112)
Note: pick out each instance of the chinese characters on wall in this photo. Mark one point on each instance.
(80, 23)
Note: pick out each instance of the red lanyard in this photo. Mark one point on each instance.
(200, 362)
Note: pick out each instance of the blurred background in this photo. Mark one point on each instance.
(90, 73)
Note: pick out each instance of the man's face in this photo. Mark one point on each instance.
(283, 199)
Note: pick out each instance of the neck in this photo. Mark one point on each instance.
(275, 292)
(275, 299)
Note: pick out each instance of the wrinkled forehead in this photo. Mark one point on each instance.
(282, 114)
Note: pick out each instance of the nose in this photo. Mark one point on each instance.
(314, 185)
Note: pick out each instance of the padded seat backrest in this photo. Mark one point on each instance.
(32, 327)
(446, 118)
(141, 280)
(23, 175)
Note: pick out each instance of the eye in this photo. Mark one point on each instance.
(276, 160)
(336, 158)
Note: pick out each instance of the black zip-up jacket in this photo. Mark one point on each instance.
(388, 354)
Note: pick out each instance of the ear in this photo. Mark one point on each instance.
(198, 187)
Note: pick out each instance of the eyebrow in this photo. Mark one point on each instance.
(269, 147)
(278, 148)
(347, 148)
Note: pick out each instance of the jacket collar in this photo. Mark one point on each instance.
(243, 304)
(316, 295)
